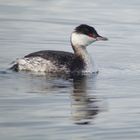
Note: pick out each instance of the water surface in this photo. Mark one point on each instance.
(104, 106)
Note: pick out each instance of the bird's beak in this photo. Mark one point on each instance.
(98, 38)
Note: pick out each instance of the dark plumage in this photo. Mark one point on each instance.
(71, 61)
(59, 57)
(86, 29)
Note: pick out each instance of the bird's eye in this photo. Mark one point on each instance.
(91, 35)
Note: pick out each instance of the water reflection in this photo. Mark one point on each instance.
(84, 106)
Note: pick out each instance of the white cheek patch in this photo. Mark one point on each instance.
(81, 39)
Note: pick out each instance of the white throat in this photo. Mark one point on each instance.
(79, 43)
(87, 60)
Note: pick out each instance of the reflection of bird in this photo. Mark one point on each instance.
(84, 107)
(58, 61)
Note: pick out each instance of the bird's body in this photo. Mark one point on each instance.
(50, 61)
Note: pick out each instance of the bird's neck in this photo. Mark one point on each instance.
(81, 51)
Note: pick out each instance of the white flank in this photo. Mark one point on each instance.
(38, 64)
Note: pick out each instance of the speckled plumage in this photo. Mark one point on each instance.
(50, 61)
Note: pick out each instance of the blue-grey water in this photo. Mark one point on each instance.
(43, 107)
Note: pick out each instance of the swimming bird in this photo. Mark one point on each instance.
(50, 61)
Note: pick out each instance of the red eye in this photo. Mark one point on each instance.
(91, 35)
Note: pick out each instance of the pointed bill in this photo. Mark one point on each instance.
(101, 38)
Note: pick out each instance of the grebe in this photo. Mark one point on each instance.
(49, 61)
